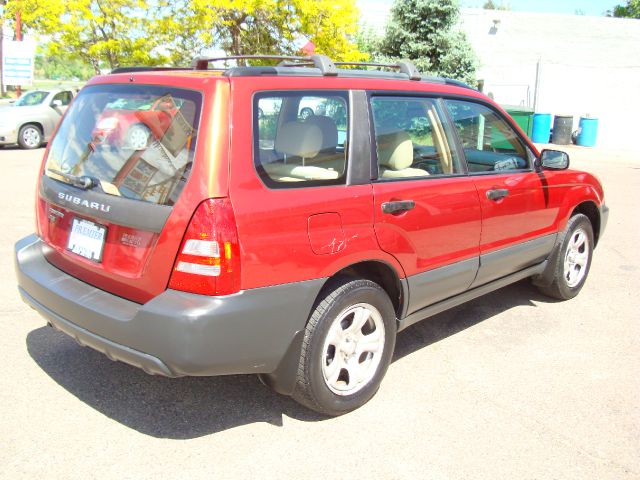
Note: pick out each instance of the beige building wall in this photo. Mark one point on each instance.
(588, 65)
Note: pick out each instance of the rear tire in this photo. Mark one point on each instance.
(30, 137)
(571, 260)
(347, 347)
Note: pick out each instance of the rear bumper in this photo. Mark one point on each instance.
(176, 333)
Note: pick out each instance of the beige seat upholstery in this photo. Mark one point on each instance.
(328, 157)
(298, 139)
(329, 132)
(298, 142)
(289, 173)
(395, 156)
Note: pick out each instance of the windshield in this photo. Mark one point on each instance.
(136, 141)
(31, 98)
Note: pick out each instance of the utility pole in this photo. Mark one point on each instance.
(536, 88)
(19, 39)
(2, 2)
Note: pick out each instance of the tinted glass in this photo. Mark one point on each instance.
(138, 141)
(32, 98)
(300, 139)
(489, 142)
(411, 141)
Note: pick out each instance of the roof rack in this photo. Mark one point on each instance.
(403, 66)
(321, 62)
(299, 66)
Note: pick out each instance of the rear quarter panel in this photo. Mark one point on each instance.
(273, 224)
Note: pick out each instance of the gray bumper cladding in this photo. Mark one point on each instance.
(175, 333)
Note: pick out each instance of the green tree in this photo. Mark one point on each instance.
(425, 32)
(63, 66)
(114, 33)
(103, 33)
(491, 5)
(630, 10)
(243, 27)
(368, 41)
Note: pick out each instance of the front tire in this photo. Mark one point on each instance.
(571, 260)
(29, 137)
(347, 347)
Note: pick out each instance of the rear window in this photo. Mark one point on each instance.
(137, 141)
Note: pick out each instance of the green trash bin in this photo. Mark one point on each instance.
(523, 117)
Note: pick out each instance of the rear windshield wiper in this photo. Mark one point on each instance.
(81, 181)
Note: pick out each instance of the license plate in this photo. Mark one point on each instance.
(87, 239)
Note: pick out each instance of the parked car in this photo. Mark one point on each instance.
(245, 239)
(31, 120)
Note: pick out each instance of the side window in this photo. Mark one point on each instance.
(64, 97)
(300, 138)
(411, 141)
(489, 142)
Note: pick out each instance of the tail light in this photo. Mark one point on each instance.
(209, 259)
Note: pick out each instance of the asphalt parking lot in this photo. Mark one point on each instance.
(509, 386)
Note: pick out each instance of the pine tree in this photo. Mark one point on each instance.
(425, 32)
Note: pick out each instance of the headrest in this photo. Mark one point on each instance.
(299, 139)
(395, 150)
(328, 128)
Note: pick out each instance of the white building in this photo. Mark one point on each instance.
(588, 65)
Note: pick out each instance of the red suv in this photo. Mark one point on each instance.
(246, 234)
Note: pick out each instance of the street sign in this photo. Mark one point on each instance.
(17, 62)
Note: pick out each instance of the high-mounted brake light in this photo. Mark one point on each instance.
(209, 258)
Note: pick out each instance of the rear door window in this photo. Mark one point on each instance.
(135, 141)
(300, 138)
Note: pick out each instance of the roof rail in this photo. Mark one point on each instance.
(322, 62)
(404, 66)
(146, 69)
(296, 65)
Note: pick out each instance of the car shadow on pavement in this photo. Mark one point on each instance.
(467, 315)
(191, 407)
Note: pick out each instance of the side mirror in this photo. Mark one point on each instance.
(554, 160)
(56, 103)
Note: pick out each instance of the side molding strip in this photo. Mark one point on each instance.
(469, 295)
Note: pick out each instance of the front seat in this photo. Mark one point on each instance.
(395, 156)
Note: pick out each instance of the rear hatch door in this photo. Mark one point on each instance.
(113, 175)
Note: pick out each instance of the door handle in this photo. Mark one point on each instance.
(497, 193)
(398, 206)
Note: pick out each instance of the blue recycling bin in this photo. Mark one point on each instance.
(587, 132)
(541, 127)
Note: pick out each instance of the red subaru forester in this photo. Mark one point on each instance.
(249, 236)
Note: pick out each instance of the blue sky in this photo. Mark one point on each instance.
(374, 11)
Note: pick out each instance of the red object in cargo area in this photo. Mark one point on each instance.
(134, 127)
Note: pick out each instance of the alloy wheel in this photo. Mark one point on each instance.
(353, 349)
